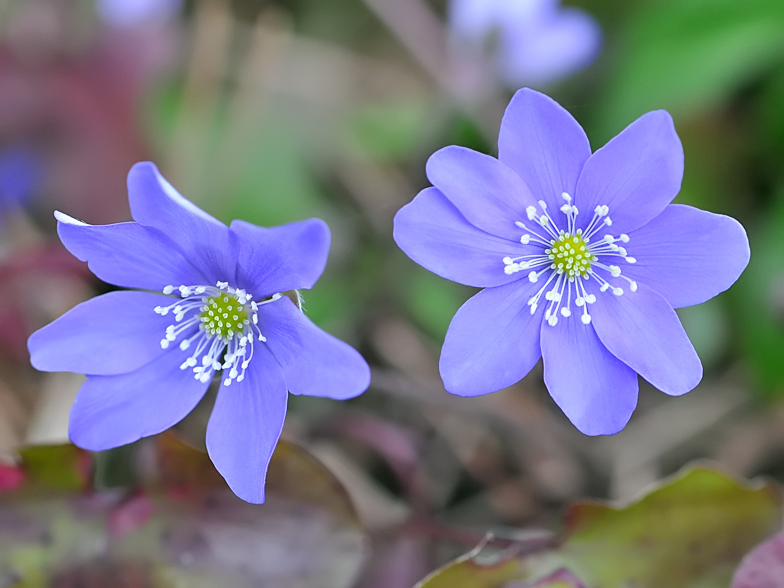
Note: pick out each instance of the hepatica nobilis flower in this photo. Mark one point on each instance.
(538, 41)
(215, 305)
(581, 256)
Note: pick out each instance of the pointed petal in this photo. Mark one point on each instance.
(111, 334)
(543, 143)
(596, 391)
(493, 340)
(642, 330)
(636, 174)
(688, 255)
(314, 362)
(246, 424)
(202, 239)
(115, 410)
(487, 193)
(127, 254)
(433, 233)
(280, 258)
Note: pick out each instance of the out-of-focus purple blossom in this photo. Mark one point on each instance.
(150, 357)
(534, 42)
(581, 256)
(131, 13)
(21, 171)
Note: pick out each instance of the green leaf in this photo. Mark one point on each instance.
(687, 55)
(185, 528)
(695, 526)
(475, 570)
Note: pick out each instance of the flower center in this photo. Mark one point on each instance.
(569, 253)
(224, 316)
(211, 320)
(569, 259)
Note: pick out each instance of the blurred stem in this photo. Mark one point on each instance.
(115, 467)
(424, 35)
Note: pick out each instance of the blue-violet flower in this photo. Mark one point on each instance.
(538, 41)
(581, 256)
(220, 309)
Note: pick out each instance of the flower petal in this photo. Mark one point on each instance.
(642, 330)
(202, 239)
(636, 174)
(688, 255)
(487, 193)
(114, 410)
(127, 254)
(111, 334)
(433, 233)
(543, 143)
(314, 362)
(596, 390)
(493, 340)
(548, 47)
(280, 258)
(246, 424)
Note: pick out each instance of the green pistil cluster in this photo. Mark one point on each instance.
(570, 255)
(224, 316)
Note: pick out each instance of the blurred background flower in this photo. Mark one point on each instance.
(531, 42)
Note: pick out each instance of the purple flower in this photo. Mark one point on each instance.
(150, 357)
(538, 42)
(581, 256)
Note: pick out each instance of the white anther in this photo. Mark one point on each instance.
(618, 291)
(168, 289)
(579, 301)
(566, 312)
(615, 271)
(608, 221)
(533, 277)
(164, 343)
(566, 197)
(509, 270)
(525, 239)
(604, 287)
(624, 237)
(519, 225)
(566, 209)
(590, 299)
(553, 320)
(543, 204)
(184, 344)
(631, 259)
(609, 239)
(586, 319)
(622, 251)
(531, 212)
(633, 286)
(507, 260)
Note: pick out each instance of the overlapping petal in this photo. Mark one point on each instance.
(279, 259)
(127, 254)
(488, 194)
(432, 232)
(596, 391)
(202, 239)
(313, 362)
(636, 174)
(642, 330)
(543, 143)
(493, 340)
(111, 334)
(245, 426)
(688, 255)
(114, 410)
